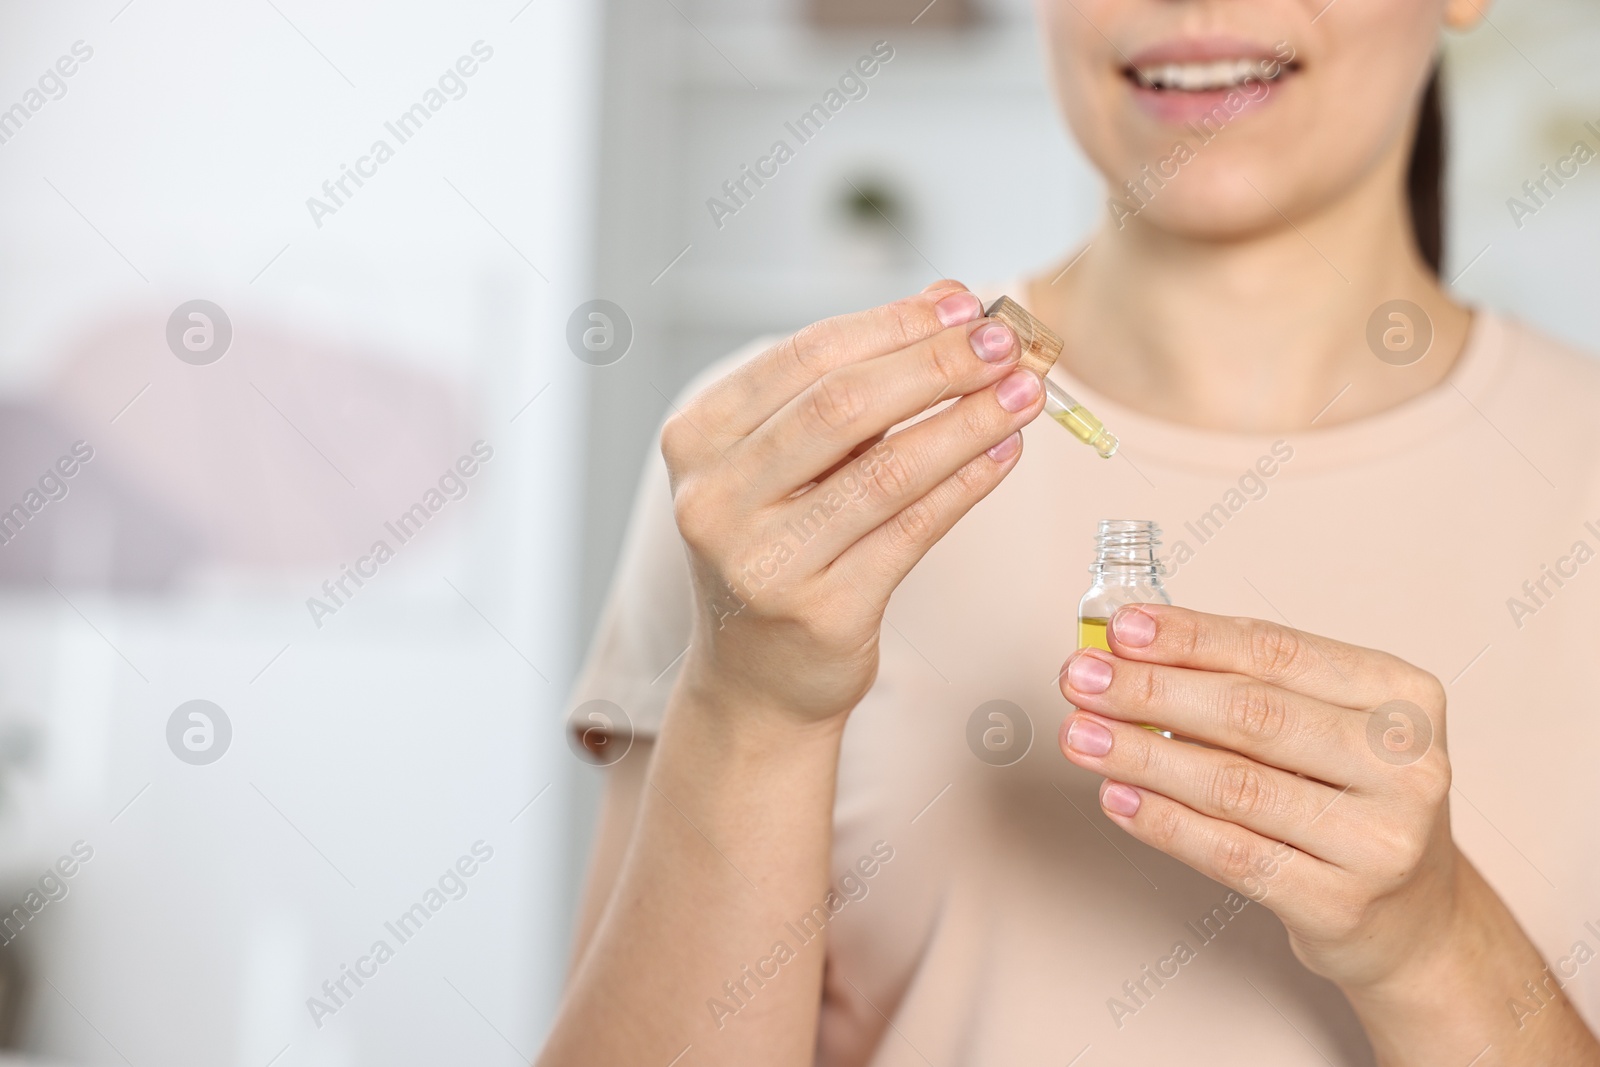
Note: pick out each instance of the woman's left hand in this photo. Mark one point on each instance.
(1325, 796)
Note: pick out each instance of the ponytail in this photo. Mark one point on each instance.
(1425, 176)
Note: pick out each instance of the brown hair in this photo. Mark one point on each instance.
(1425, 176)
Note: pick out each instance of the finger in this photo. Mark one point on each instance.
(1233, 711)
(750, 394)
(857, 401)
(1241, 859)
(855, 453)
(1211, 781)
(909, 464)
(877, 562)
(1319, 667)
(942, 287)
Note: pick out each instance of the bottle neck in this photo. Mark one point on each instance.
(1125, 553)
(1126, 573)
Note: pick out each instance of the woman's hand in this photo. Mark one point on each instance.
(801, 517)
(1324, 796)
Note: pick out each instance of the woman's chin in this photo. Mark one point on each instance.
(1220, 207)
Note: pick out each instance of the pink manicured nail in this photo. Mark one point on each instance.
(958, 308)
(1006, 449)
(1133, 628)
(1120, 799)
(1087, 737)
(1018, 390)
(1089, 674)
(992, 342)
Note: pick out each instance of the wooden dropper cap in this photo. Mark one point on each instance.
(1040, 345)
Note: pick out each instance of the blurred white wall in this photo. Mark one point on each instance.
(369, 353)
(1522, 90)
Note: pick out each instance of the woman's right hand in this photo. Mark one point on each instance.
(801, 516)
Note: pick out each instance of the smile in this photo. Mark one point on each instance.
(1211, 76)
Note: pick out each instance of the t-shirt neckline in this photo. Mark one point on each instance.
(1458, 397)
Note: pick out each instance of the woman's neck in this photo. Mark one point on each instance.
(1263, 333)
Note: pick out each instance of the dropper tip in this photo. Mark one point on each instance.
(1106, 444)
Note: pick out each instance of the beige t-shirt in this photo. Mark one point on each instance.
(1015, 923)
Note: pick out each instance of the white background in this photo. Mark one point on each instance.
(373, 751)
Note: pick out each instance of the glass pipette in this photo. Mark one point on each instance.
(1041, 346)
(1078, 420)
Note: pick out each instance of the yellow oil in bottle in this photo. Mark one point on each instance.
(1092, 633)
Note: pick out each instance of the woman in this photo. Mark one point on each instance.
(1371, 505)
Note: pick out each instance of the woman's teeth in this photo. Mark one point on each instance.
(1200, 77)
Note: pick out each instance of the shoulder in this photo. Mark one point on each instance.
(1545, 400)
(1530, 375)
(1540, 359)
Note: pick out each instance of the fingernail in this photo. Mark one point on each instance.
(1089, 674)
(1018, 390)
(958, 308)
(992, 342)
(1089, 738)
(1133, 628)
(1120, 799)
(1006, 449)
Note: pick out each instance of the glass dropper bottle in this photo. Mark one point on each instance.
(1041, 347)
(1127, 569)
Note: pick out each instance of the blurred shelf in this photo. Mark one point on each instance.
(795, 59)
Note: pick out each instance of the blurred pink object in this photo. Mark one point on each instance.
(288, 450)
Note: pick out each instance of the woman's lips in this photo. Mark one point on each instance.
(1219, 106)
(1216, 78)
(1204, 50)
